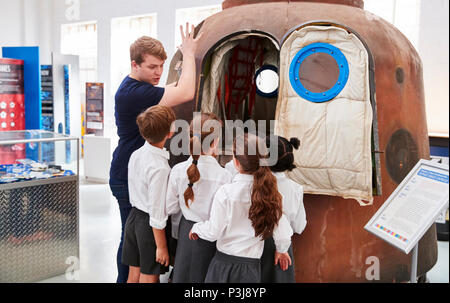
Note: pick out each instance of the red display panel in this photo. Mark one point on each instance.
(12, 101)
(12, 106)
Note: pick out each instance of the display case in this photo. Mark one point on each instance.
(39, 205)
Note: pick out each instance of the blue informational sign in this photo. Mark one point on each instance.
(314, 48)
(433, 175)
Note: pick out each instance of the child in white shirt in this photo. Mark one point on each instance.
(243, 214)
(145, 246)
(231, 168)
(293, 208)
(192, 186)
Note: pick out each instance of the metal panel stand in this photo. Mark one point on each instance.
(39, 221)
(415, 252)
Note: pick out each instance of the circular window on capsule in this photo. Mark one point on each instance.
(266, 81)
(318, 72)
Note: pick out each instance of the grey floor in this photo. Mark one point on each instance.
(100, 235)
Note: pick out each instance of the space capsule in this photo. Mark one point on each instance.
(349, 85)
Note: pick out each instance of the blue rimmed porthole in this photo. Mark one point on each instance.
(319, 72)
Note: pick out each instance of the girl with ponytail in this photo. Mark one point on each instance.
(191, 188)
(293, 208)
(243, 215)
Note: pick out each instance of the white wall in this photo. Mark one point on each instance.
(27, 23)
(11, 23)
(433, 50)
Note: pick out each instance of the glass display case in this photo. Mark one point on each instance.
(39, 202)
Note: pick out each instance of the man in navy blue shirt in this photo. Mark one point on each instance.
(136, 93)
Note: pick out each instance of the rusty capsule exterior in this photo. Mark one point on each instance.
(334, 247)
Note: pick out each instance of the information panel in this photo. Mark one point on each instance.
(94, 108)
(47, 97)
(12, 106)
(413, 207)
(12, 101)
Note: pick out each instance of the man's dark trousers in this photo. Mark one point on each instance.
(119, 190)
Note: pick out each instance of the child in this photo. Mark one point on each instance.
(145, 246)
(243, 214)
(192, 185)
(293, 208)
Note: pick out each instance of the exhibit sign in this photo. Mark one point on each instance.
(48, 121)
(12, 100)
(413, 207)
(32, 80)
(12, 106)
(47, 97)
(94, 108)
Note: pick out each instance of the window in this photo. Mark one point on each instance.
(124, 31)
(81, 39)
(194, 16)
(266, 80)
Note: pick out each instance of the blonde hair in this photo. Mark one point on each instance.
(146, 46)
(155, 122)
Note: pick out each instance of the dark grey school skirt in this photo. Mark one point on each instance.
(271, 273)
(232, 269)
(192, 257)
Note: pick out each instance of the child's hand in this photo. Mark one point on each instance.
(192, 236)
(162, 256)
(284, 259)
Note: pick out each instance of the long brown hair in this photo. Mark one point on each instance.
(266, 208)
(195, 145)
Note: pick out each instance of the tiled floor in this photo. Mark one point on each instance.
(100, 235)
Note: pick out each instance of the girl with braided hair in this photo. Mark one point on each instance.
(191, 188)
(244, 214)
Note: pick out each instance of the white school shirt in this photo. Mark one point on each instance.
(212, 177)
(293, 207)
(230, 226)
(292, 193)
(148, 173)
(231, 168)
